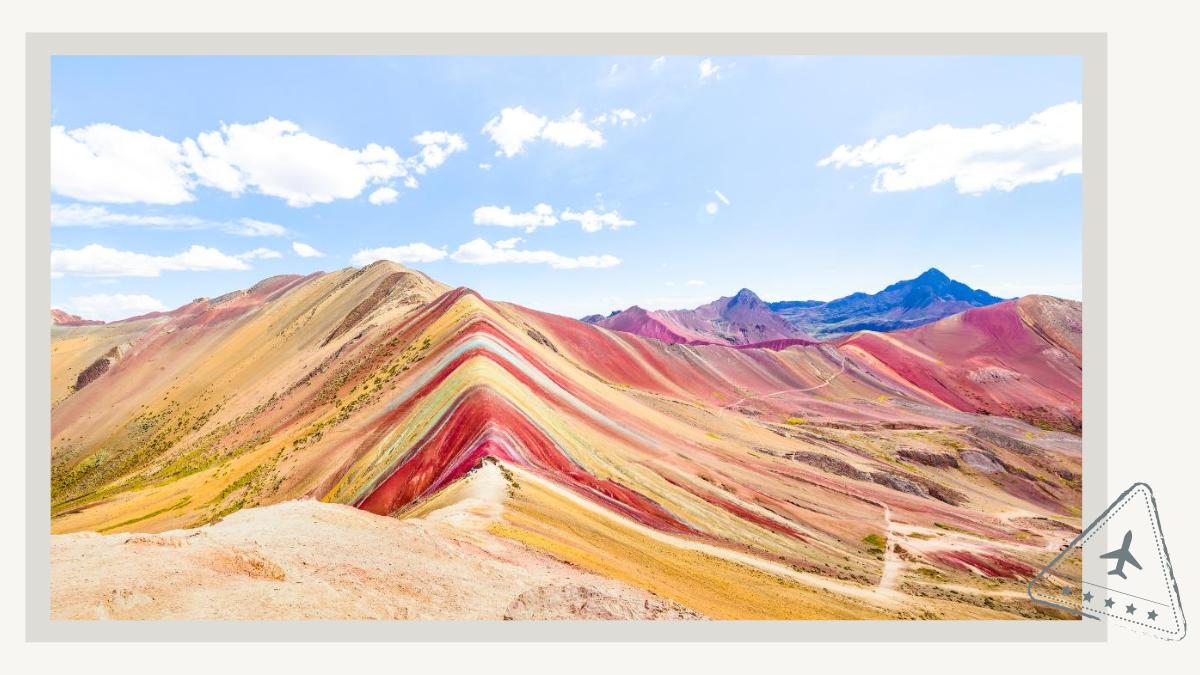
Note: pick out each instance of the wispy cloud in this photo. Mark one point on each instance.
(514, 128)
(592, 220)
(95, 260)
(541, 215)
(305, 251)
(82, 215)
(1043, 148)
(110, 307)
(259, 254)
(622, 117)
(480, 252)
(708, 70)
(408, 253)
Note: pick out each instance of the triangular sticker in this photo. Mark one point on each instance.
(1118, 569)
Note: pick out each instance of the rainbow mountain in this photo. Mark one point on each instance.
(922, 473)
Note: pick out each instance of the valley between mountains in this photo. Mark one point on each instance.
(370, 443)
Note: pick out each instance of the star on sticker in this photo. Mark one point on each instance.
(1108, 602)
(1066, 590)
(1130, 609)
(1152, 615)
(1087, 597)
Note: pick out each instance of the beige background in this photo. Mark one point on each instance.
(1152, 147)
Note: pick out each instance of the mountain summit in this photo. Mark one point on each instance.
(904, 304)
(741, 319)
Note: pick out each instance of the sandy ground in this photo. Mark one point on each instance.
(312, 560)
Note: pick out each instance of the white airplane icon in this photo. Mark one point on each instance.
(1122, 556)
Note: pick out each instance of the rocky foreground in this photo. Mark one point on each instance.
(308, 560)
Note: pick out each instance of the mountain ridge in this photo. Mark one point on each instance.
(744, 318)
(908, 303)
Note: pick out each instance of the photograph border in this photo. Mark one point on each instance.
(41, 47)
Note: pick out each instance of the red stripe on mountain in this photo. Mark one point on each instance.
(473, 430)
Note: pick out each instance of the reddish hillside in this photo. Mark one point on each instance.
(61, 318)
(1020, 358)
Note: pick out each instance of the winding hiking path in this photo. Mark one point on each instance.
(891, 561)
(824, 383)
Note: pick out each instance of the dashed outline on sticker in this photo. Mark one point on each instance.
(1038, 595)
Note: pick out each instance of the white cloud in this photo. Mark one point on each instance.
(95, 260)
(485, 166)
(480, 252)
(211, 170)
(436, 146)
(115, 306)
(709, 69)
(695, 283)
(408, 253)
(711, 208)
(512, 129)
(80, 215)
(572, 132)
(516, 127)
(722, 197)
(259, 254)
(542, 215)
(622, 117)
(592, 221)
(657, 64)
(279, 159)
(1043, 148)
(249, 227)
(305, 251)
(509, 243)
(384, 195)
(106, 163)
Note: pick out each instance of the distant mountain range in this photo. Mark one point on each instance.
(904, 304)
(744, 319)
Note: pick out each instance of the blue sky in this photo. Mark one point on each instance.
(718, 172)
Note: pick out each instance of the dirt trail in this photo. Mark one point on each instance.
(891, 562)
(825, 383)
